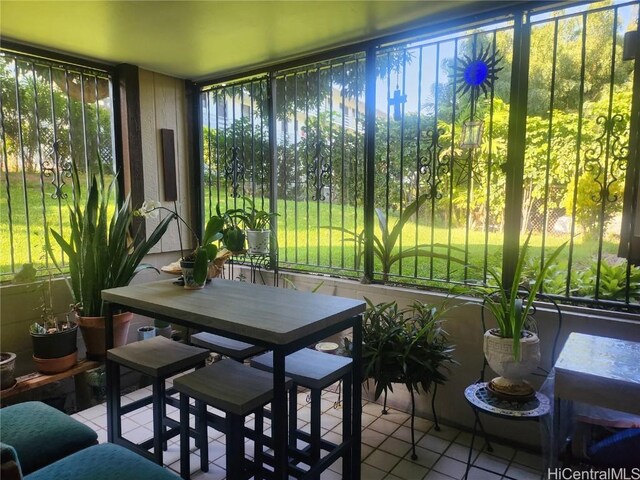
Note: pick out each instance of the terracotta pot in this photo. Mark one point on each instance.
(92, 329)
(49, 366)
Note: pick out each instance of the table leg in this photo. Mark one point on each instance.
(356, 398)
(279, 426)
(111, 382)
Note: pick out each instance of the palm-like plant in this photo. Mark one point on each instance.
(100, 249)
(511, 306)
(384, 247)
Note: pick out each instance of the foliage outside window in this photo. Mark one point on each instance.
(53, 116)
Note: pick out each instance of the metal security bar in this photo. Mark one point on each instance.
(236, 145)
(423, 102)
(53, 117)
(577, 150)
(320, 125)
(532, 109)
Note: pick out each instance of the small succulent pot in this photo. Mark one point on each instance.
(146, 332)
(7, 370)
(188, 267)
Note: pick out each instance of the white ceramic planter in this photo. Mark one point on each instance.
(258, 241)
(499, 354)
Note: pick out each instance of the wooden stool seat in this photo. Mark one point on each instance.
(316, 371)
(308, 368)
(234, 349)
(228, 386)
(238, 391)
(159, 358)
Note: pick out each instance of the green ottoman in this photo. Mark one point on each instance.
(103, 462)
(40, 434)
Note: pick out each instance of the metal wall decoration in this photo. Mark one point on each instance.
(477, 73)
(234, 171)
(397, 100)
(319, 173)
(433, 167)
(608, 144)
(57, 170)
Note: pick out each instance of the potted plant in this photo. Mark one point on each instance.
(7, 370)
(511, 349)
(233, 236)
(405, 346)
(195, 264)
(258, 227)
(54, 342)
(101, 254)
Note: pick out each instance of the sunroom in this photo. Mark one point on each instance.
(346, 239)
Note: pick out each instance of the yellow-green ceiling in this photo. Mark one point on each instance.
(193, 39)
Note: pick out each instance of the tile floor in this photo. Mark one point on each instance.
(386, 448)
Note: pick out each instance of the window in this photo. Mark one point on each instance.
(54, 117)
(443, 130)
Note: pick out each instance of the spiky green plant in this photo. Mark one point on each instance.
(384, 247)
(100, 249)
(404, 346)
(511, 306)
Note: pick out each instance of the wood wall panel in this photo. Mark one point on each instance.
(162, 106)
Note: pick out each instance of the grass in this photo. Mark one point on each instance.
(304, 239)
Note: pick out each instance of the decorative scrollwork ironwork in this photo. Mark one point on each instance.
(57, 169)
(318, 173)
(234, 171)
(432, 166)
(610, 145)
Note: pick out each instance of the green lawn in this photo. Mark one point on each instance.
(304, 240)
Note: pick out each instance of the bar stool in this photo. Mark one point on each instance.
(316, 371)
(238, 391)
(159, 358)
(234, 349)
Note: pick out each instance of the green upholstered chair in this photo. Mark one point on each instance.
(40, 434)
(103, 462)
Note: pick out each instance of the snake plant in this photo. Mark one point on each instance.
(99, 247)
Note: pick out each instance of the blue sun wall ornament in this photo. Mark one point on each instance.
(476, 73)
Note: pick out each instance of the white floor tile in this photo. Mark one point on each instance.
(395, 446)
(409, 471)
(382, 460)
(450, 467)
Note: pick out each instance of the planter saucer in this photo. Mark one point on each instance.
(518, 393)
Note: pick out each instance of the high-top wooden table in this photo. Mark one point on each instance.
(282, 320)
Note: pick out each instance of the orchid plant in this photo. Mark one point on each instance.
(205, 250)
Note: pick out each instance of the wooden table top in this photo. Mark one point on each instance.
(256, 312)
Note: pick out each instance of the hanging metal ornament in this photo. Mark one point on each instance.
(476, 73)
(397, 100)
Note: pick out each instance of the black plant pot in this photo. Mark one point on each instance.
(55, 345)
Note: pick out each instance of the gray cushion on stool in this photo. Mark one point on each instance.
(158, 356)
(226, 346)
(229, 386)
(308, 368)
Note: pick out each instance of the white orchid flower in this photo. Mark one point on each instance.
(149, 209)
